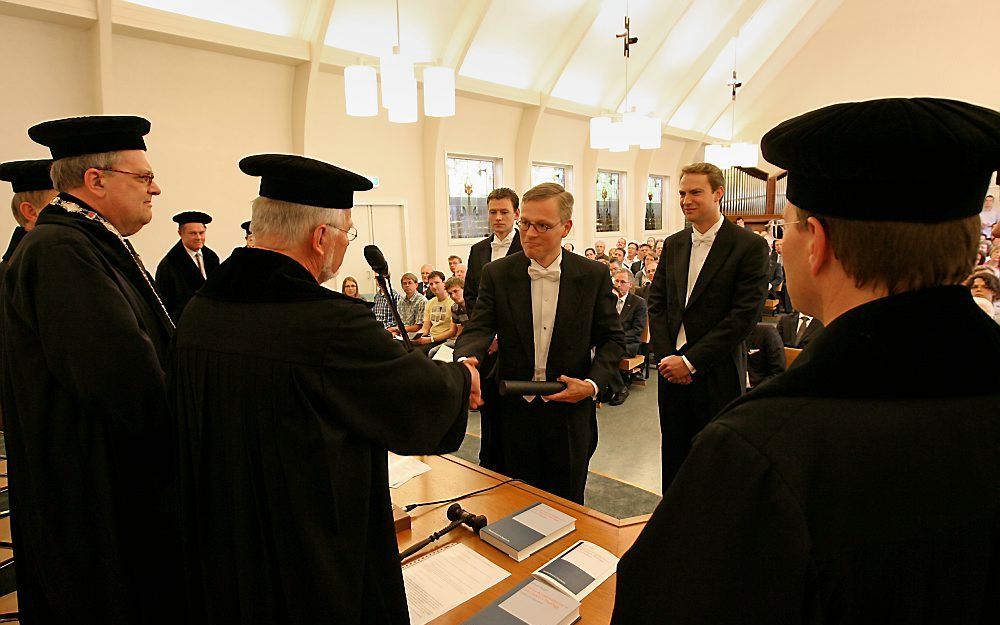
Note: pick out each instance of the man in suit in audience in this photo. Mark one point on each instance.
(765, 354)
(599, 248)
(504, 211)
(778, 273)
(288, 396)
(424, 287)
(632, 315)
(703, 303)
(642, 257)
(548, 309)
(798, 329)
(88, 431)
(188, 263)
(32, 192)
(860, 486)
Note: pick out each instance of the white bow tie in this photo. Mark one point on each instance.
(495, 244)
(541, 273)
(702, 239)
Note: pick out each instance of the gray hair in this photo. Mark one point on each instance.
(286, 224)
(67, 173)
(628, 272)
(38, 199)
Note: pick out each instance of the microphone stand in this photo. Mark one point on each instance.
(395, 311)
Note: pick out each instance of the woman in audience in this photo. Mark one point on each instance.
(350, 287)
(994, 260)
(568, 247)
(651, 242)
(659, 248)
(986, 285)
(590, 253)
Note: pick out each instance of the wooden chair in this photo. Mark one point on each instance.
(791, 354)
(771, 306)
(637, 363)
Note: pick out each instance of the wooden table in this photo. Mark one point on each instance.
(450, 477)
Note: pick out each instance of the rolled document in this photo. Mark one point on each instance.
(518, 387)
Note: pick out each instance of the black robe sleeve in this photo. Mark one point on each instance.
(728, 544)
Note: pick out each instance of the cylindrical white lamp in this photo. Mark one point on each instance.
(439, 92)
(361, 91)
(404, 109)
(396, 73)
(652, 134)
(619, 137)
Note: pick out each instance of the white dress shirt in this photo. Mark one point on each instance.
(699, 254)
(500, 247)
(194, 259)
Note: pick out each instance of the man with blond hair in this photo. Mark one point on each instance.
(703, 304)
(548, 309)
(288, 396)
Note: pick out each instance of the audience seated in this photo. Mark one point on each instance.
(765, 354)
(797, 330)
(632, 314)
(437, 326)
(599, 250)
(983, 283)
(459, 313)
(382, 310)
(349, 287)
(411, 305)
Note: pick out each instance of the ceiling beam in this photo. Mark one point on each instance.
(76, 13)
(568, 43)
(668, 29)
(683, 88)
(764, 78)
(314, 26)
(464, 33)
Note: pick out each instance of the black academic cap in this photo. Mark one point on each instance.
(192, 217)
(246, 227)
(27, 175)
(303, 180)
(91, 135)
(854, 160)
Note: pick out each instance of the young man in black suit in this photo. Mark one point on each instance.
(548, 309)
(703, 303)
(504, 209)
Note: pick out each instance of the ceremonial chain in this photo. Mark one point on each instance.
(73, 207)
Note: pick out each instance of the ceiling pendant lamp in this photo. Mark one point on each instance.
(361, 91)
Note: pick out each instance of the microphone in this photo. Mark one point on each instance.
(458, 517)
(376, 260)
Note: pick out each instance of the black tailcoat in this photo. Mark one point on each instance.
(548, 443)
(85, 345)
(788, 327)
(726, 302)
(861, 486)
(288, 395)
(633, 318)
(178, 278)
(479, 255)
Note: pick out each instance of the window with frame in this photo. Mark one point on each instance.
(653, 218)
(470, 181)
(608, 201)
(544, 172)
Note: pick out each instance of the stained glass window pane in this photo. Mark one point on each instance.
(548, 173)
(608, 215)
(653, 219)
(470, 182)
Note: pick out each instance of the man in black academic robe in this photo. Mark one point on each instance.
(288, 396)
(32, 192)
(178, 276)
(548, 443)
(85, 345)
(861, 486)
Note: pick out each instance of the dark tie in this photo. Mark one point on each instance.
(803, 326)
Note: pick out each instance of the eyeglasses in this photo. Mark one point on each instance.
(146, 178)
(352, 233)
(524, 224)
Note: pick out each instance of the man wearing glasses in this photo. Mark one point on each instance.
(85, 343)
(564, 300)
